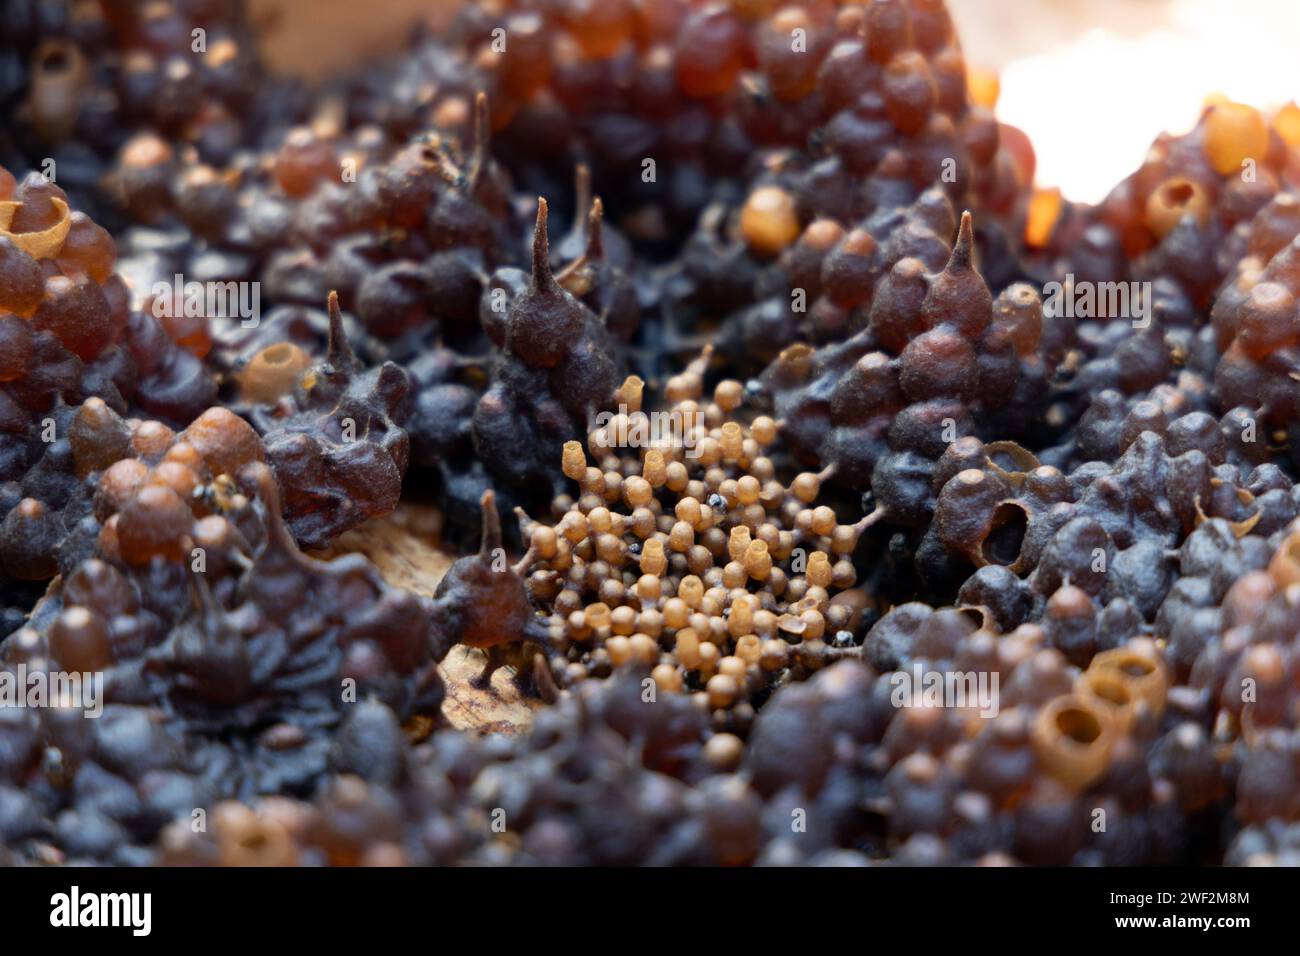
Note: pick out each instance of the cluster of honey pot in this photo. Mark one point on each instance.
(727, 338)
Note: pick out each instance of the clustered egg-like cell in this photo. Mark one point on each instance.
(85, 77)
(906, 436)
(716, 91)
(676, 560)
(386, 192)
(68, 334)
(223, 649)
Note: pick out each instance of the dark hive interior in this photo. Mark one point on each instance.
(749, 380)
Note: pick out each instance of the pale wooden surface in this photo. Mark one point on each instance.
(404, 547)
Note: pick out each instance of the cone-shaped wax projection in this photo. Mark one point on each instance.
(544, 321)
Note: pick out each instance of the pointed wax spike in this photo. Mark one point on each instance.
(207, 603)
(595, 232)
(541, 249)
(581, 192)
(963, 249)
(868, 520)
(491, 526)
(700, 364)
(339, 351)
(958, 294)
(198, 581)
(482, 136)
(526, 523)
(261, 479)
